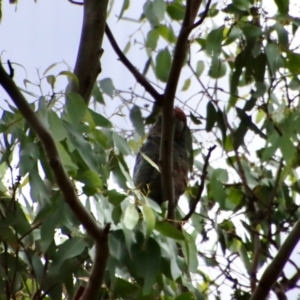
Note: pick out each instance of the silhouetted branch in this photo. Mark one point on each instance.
(201, 186)
(66, 186)
(75, 2)
(276, 266)
(203, 16)
(96, 276)
(87, 66)
(137, 75)
(166, 155)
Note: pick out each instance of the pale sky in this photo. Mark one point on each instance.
(35, 35)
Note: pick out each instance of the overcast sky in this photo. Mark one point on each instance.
(36, 35)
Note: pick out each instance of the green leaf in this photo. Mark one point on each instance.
(136, 118)
(217, 192)
(65, 158)
(163, 65)
(81, 146)
(200, 67)
(168, 230)
(57, 129)
(220, 174)
(38, 191)
(282, 34)
(149, 13)
(131, 217)
(176, 10)
(186, 84)
(159, 8)
(217, 68)
(125, 6)
(149, 217)
(287, 148)
(107, 87)
(51, 80)
(283, 6)
(221, 124)
(152, 38)
(273, 55)
(29, 155)
(69, 249)
(100, 120)
(90, 178)
(211, 116)
(147, 260)
(261, 89)
(7, 235)
(49, 224)
(96, 93)
(195, 120)
(127, 47)
(213, 41)
(234, 34)
(251, 31)
(190, 252)
(115, 197)
(293, 62)
(124, 289)
(167, 33)
(241, 4)
(150, 161)
(75, 107)
(121, 144)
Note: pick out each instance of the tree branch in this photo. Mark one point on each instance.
(87, 66)
(75, 2)
(166, 153)
(201, 187)
(203, 15)
(96, 276)
(66, 186)
(137, 75)
(274, 269)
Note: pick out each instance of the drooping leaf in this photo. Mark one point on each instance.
(137, 120)
(168, 230)
(152, 39)
(213, 41)
(70, 248)
(147, 260)
(163, 65)
(211, 116)
(149, 217)
(107, 86)
(121, 144)
(75, 107)
(130, 217)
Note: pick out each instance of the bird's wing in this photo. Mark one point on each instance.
(143, 171)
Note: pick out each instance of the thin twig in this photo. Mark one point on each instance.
(137, 75)
(203, 15)
(75, 2)
(201, 186)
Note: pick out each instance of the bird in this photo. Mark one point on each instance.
(147, 178)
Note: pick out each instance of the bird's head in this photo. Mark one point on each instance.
(180, 122)
(180, 125)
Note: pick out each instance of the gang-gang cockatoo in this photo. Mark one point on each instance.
(147, 178)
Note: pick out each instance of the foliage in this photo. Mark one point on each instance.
(251, 195)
